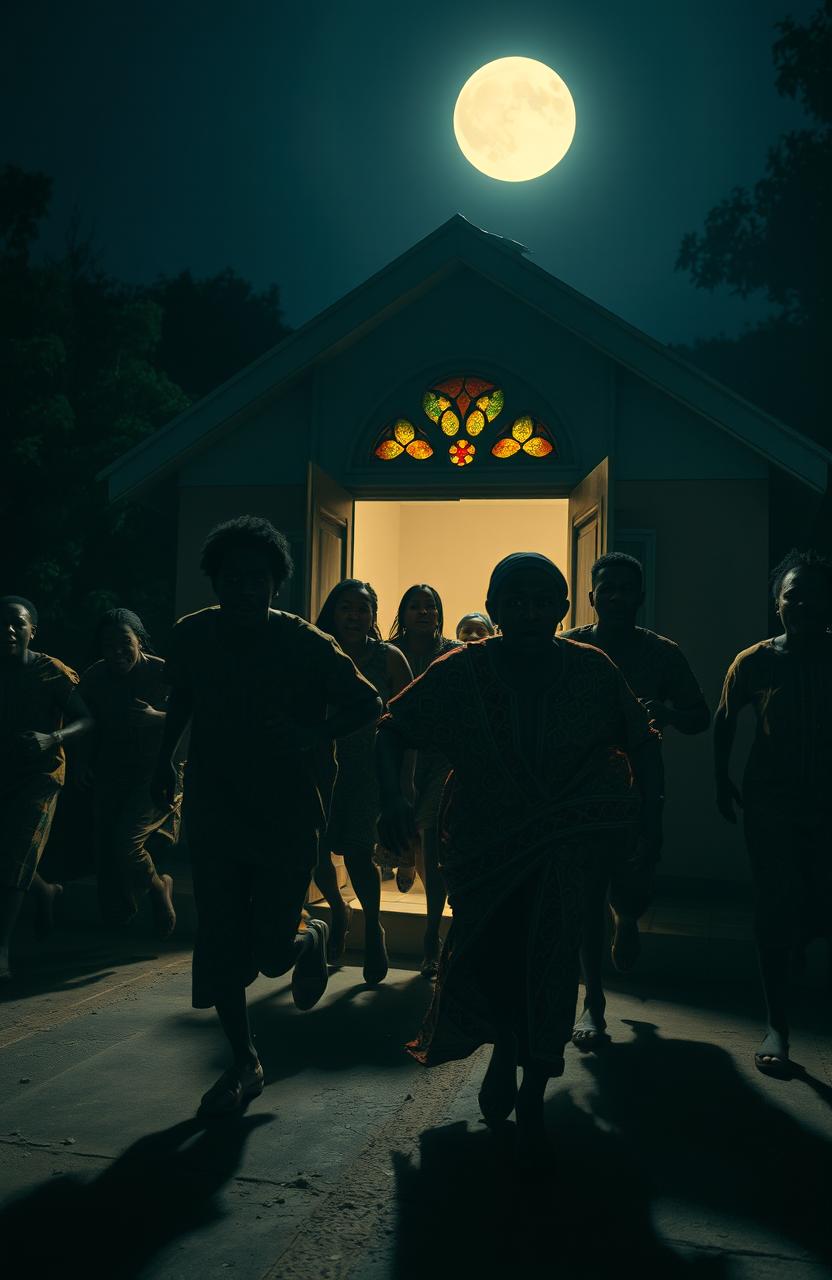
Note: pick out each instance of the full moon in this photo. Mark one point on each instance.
(514, 119)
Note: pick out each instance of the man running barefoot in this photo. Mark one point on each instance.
(254, 684)
(659, 675)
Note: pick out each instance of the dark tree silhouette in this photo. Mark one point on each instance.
(774, 240)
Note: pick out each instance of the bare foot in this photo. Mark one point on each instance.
(163, 906)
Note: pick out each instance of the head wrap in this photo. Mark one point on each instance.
(519, 561)
(27, 605)
(483, 617)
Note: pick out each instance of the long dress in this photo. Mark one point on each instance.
(523, 820)
(355, 800)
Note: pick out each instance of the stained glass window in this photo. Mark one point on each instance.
(463, 408)
(403, 437)
(527, 434)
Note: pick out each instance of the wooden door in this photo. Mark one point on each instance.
(590, 536)
(331, 512)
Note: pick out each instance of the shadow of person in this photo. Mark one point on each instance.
(357, 1026)
(697, 1131)
(463, 1210)
(160, 1188)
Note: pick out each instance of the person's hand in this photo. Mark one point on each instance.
(163, 785)
(292, 737)
(34, 744)
(397, 826)
(141, 713)
(727, 796)
(660, 714)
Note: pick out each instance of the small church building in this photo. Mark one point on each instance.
(461, 404)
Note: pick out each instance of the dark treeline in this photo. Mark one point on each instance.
(773, 241)
(89, 367)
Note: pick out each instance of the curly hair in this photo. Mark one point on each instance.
(797, 559)
(617, 559)
(326, 618)
(251, 532)
(398, 628)
(25, 604)
(121, 618)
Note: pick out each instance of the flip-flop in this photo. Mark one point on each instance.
(776, 1048)
(589, 1039)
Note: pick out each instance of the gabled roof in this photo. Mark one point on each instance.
(458, 243)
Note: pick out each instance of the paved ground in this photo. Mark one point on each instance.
(670, 1154)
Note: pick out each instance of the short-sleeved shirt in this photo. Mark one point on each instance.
(237, 683)
(653, 666)
(792, 701)
(33, 696)
(125, 745)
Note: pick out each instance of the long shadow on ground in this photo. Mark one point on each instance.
(161, 1188)
(670, 1119)
(355, 1026)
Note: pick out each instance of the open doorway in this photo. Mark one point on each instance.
(451, 545)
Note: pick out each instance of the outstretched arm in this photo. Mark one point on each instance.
(77, 721)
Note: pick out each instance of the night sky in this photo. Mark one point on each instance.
(310, 143)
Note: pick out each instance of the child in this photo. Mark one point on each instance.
(254, 684)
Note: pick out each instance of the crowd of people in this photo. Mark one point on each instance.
(516, 769)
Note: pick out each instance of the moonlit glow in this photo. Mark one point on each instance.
(514, 119)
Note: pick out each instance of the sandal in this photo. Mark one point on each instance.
(589, 1033)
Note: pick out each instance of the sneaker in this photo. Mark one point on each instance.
(234, 1088)
(310, 975)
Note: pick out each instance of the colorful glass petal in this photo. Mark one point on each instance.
(419, 449)
(475, 423)
(404, 431)
(505, 448)
(451, 387)
(462, 402)
(388, 449)
(495, 404)
(538, 447)
(431, 406)
(476, 386)
(449, 422)
(522, 429)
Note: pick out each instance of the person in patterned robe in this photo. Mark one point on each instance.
(543, 736)
(785, 797)
(39, 709)
(660, 676)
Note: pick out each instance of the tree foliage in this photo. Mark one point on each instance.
(89, 367)
(773, 240)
